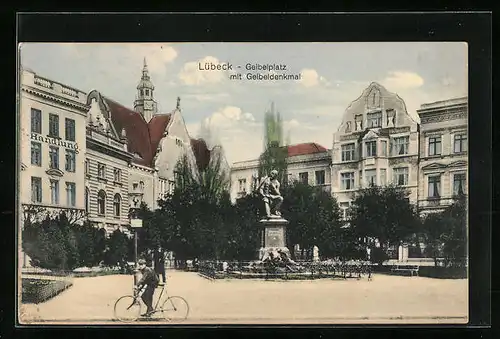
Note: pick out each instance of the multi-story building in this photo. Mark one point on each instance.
(52, 145)
(443, 153)
(376, 144)
(306, 162)
(106, 170)
(52, 150)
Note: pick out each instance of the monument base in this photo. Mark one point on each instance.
(273, 237)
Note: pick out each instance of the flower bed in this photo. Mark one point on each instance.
(40, 290)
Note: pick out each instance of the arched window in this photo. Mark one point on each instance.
(87, 207)
(117, 204)
(101, 202)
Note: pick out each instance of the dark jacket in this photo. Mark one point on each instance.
(159, 261)
(149, 277)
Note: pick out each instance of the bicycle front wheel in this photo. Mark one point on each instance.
(127, 309)
(175, 309)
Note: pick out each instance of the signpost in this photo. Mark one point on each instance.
(135, 223)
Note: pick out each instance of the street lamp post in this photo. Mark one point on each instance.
(136, 223)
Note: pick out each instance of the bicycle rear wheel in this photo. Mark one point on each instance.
(127, 309)
(175, 309)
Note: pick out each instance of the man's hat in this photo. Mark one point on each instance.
(141, 262)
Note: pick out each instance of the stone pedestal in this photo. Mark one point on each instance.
(273, 236)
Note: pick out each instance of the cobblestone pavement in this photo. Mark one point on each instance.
(385, 299)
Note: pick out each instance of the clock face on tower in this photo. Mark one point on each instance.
(148, 105)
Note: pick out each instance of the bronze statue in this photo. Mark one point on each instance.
(269, 188)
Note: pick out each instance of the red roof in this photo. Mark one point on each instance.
(136, 128)
(143, 138)
(201, 153)
(157, 126)
(305, 148)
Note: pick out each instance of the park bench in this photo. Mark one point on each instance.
(411, 269)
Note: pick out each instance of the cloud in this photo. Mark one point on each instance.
(207, 97)
(157, 55)
(237, 131)
(403, 80)
(191, 74)
(311, 78)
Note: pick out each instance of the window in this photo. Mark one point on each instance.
(71, 194)
(371, 177)
(400, 176)
(374, 119)
(116, 204)
(320, 177)
(347, 181)
(54, 192)
(101, 202)
(36, 189)
(383, 145)
(434, 186)
(70, 129)
(459, 184)
(371, 148)
(460, 143)
(147, 91)
(101, 171)
(348, 152)
(36, 121)
(141, 185)
(87, 193)
(135, 185)
(401, 145)
(54, 157)
(304, 177)
(70, 160)
(117, 174)
(36, 153)
(87, 167)
(242, 185)
(435, 145)
(142, 92)
(53, 125)
(344, 207)
(178, 142)
(383, 177)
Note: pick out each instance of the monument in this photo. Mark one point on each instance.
(273, 225)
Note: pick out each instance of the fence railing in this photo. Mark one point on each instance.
(298, 270)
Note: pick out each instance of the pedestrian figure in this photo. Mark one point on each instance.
(159, 260)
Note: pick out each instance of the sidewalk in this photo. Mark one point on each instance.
(386, 299)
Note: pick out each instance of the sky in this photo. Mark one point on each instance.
(332, 76)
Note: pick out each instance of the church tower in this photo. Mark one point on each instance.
(144, 102)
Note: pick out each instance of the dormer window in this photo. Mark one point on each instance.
(374, 119)
(358, 120)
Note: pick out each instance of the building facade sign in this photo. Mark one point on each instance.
(56, 141)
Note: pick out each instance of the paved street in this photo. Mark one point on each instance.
(385, 299)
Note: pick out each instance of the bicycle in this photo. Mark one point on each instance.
(174, 308)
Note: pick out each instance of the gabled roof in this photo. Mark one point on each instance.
(305, 148)
(143, 138)
(157, 126)
(201, 153)
(136, 129)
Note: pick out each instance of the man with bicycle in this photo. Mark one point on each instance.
(150, 281)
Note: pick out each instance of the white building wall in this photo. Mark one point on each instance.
(51, 97)
(173, 146)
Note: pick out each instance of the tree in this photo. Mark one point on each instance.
(275, 153)
(446, 234)
(384, 213)
(118, 248)
(314, 218)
